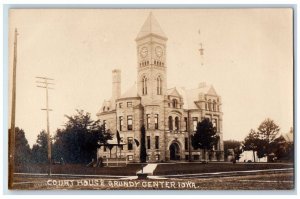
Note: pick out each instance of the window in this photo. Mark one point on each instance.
(195, 122)
(209, 105)
(129, 122)
(129, 143)
(176, 123)
(157, 157)
(148, 142)
(215, 123)
(159, 86)
(120, 122)
(120, 105)
(196, 157)
(170, 121)
(156, 121)
(186, 123)
(214, 106)
(129, 104)
(174, 103)
(186, 143)
(186, 157)
(156, 142)
(130, 157)
(148, 121)
(144, 86)
(104, 148)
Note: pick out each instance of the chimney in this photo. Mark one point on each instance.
(116, 86)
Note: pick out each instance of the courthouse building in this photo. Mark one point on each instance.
(170, 115)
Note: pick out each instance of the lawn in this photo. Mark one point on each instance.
(275, 181)
(162, 169)
(189, 168)
(81, 169)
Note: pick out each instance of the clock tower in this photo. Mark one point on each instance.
(151, 69)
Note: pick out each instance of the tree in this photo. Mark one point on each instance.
(254, 142)
(22, 148)
(262, 140)
(79, 140)
(231, 144)
(143, 153)
(40, 148)
(205, 137)
(268, 130)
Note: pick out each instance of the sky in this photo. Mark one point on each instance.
(248, 58)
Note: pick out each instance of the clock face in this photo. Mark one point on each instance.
(159, 51)
(144, 52)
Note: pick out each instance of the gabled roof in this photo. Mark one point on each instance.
(106, 103)
(173, 92)
(131, 92)
(211, 91)
(190, 96)
(151, 26)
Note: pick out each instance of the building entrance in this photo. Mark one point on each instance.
(174, 151)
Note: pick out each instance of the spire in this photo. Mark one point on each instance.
(151, 26)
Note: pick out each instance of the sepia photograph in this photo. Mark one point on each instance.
(151, 99)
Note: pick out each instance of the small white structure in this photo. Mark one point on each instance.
(249, 156)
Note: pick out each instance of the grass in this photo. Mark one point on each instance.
(162, 169)
(189, 168)
(275, 181)
(128, 170)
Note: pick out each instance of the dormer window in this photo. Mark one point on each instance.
(174, 102)
(214, 106)
(209, 105)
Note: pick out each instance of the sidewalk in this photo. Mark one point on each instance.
(149, 168)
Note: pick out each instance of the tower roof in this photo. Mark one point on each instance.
(151, 26)
(131, 92)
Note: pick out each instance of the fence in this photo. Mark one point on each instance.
(118, 162)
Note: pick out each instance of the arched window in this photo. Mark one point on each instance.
(170, 121)
(214, 106)
(159, 86)
(174, 101)
(144, 86)
(176, 123)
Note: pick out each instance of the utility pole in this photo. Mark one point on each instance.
(13, 119)
(189, 135)
(45, 82)
(201, 49)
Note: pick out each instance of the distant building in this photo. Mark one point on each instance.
(249, 156)
(169, 115)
